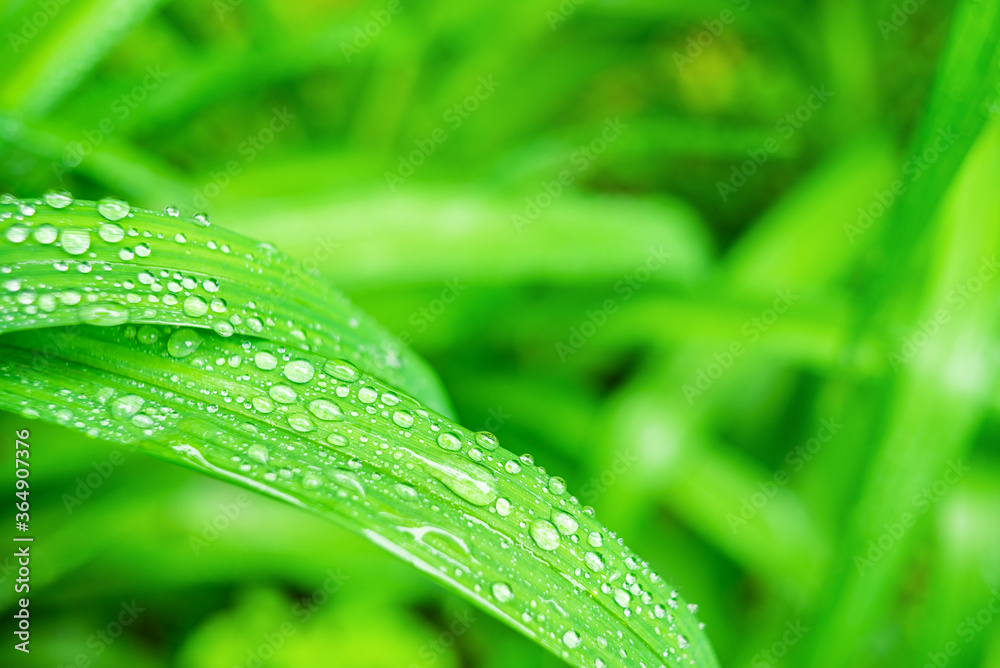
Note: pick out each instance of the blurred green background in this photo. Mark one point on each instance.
(727, 267)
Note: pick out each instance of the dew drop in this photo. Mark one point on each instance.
(265, 361)
(367, 395)
(301, 422)
(183, 342)
(283, 394)
(325, 409)
(502, 592)
(299, 371)
(17, 233)
(565, 522)
(487, 440)
(104, 315)
(557, 486)
(403, 419)
(111, 233)
(336, 440)
(544, 533)
(503, 507)
(201, 219)
(449, 441)
(58, 199)
(342, 370)
(594, 561)
(571, 639)
(75, 242)
(195, 306)
(262, 404)
(113, 208)
(126, 406)
(258, 453)
(46, 234)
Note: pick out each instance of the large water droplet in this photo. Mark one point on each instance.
(104, 315)
(46, 234)
(469, 480)
(299, 371)
(126, 406)
(111, 233)
(301, 422)
(74, 241)
(58, 199)
(571, 639)
(487, 440)
(325, 409)
(265, 361)
(283, 394)
(263, 404)
(258, 453)
(113, 208)
(195, 306)
(502, 592)
(183, 342)
(16, 233)
(342, 370)
(565, 522)
(449, 441)
(403, 419)
(594, 561)
(544, 533)
(367, 395)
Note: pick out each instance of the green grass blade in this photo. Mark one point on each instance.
(276, 412)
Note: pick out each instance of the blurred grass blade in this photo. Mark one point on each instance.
(224, 356)
(73, 38)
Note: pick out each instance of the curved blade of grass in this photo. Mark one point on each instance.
(283, 414)
(156, 270)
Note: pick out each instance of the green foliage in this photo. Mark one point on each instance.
(754, 326)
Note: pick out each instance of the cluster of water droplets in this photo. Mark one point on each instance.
(295, 422)
(107, 263)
